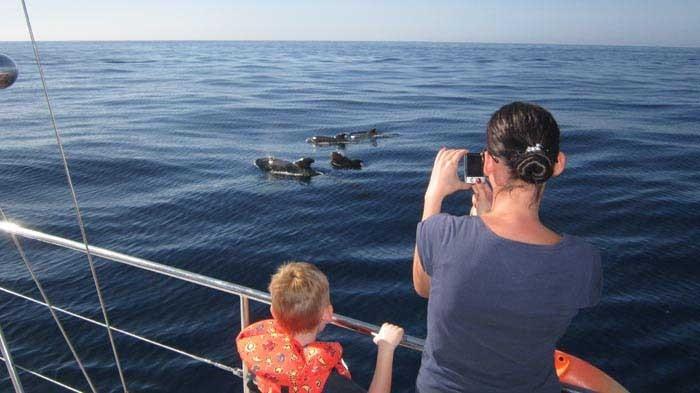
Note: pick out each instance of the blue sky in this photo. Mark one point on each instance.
(612, 22)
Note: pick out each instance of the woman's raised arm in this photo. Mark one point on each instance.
(443, 182)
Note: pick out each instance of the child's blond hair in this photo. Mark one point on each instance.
(300, 293)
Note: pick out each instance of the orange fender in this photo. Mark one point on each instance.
(581, 374)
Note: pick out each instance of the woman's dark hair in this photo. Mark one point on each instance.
(526, 137)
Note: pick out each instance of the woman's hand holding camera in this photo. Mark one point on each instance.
(482, 198)
(444, 180)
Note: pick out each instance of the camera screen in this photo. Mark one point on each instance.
(475, 165)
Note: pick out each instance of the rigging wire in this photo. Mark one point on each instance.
(40, 287)
(75, 199)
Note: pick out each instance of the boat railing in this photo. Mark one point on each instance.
(244, 293)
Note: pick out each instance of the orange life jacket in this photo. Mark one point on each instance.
(277, 359)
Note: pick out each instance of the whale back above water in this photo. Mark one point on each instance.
(356, 136)
(340, 161)
(328, 140)
(276, 166)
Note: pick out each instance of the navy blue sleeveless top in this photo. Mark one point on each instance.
(497, 306)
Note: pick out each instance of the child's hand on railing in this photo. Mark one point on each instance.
(389, 336)
(387, 339)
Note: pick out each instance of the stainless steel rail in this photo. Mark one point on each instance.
(195, 278)
(7, 357)
(244, 293)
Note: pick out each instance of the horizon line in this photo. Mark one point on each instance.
(371, 41)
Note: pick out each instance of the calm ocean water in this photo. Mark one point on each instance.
(161, 138)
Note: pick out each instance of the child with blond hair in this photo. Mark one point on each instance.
(282, 353)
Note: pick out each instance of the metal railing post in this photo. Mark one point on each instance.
(10, 364)
(245, 321)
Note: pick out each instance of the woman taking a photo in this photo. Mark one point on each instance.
(502, 287)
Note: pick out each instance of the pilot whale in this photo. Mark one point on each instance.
(357, 136)
(328, 140)
(298, 168)
(344, 138)
(339, 161)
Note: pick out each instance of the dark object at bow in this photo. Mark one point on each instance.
(8, 72)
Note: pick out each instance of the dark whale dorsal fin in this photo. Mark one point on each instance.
(304, 162)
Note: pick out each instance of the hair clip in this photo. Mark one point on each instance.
(537, 147)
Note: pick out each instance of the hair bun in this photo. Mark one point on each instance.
(534, 167)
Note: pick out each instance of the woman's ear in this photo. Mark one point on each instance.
(496, 171)
(488, 163)
(559, 165)
(272, 311)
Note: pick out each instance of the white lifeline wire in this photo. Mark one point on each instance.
(40, 287)
(45, 378)
(234, 370)
(75, 200)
